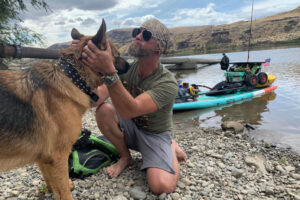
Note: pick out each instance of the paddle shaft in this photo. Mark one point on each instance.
(204, 86)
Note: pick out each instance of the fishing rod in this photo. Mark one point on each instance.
(250, 32)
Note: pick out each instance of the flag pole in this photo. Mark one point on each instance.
(250, 32)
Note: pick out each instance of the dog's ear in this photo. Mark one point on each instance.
(75, 34)
(100, 38)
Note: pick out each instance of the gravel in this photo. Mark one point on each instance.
(222, 164)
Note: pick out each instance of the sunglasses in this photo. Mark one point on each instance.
(147, 35)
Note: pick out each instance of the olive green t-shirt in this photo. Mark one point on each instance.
(161, 85)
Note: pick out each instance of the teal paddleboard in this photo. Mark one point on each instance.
(204, 101)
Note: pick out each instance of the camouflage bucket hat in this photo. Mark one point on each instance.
(160, 32)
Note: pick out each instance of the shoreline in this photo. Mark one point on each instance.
(221, 165)
(191, 52)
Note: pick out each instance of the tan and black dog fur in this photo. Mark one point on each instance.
(40, 116)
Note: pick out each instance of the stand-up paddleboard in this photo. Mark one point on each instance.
(204, 101)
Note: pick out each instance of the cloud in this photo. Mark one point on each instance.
(269, 7)
(126, 5)
(83, 5)
(57, 6)
(60, 23)
(132, 21)
(201, 16)
(56, 27)
(88, 21)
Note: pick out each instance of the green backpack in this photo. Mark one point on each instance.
(89, 154)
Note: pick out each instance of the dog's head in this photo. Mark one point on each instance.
(93, 79)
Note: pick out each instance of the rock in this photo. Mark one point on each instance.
(130, 182)
(215, 155)
(190, 164)
(119, 197)
(258, 161)
(296, 176)
(221, 165)
(232, 125)
(162, 196)
(186, 181)
(240, 197)
(279, 168)
(181, 185)
(269, 167)
(175, 196)
(15, 193)
(289, 168)
(137, 193)
(295, 196)
(237, 173)
(228, 134)
(269, 191)
(35, 182)
(210, 169)
(97, 195)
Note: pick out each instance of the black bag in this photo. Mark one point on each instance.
(224, 63)
(89, 154)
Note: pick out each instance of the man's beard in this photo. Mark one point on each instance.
(135, 50)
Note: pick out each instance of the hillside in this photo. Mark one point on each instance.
(280, 29)
(277, 30)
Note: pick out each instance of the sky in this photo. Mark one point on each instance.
(86, 15)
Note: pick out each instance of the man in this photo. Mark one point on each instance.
(224, 62)
(193, 91)
(141, 115)
(181, 94)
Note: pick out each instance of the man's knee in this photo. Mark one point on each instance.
(105, 112)
(161, 184)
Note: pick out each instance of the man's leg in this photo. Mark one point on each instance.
(161, 181)
(108, 124)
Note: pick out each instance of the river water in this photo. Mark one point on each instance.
(275, 116)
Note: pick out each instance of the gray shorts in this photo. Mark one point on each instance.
(155, 148)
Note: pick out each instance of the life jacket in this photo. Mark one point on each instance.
(191, 91)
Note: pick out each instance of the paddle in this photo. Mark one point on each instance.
(195, 95)
(191, 96)
(204, 86)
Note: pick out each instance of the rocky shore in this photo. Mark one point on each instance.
(222, 164)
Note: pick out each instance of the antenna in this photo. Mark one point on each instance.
(250, 32)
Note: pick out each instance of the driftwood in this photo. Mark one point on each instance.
(16, 51)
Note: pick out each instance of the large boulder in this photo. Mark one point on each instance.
(232, 125)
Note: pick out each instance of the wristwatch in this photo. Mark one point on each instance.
(110, 79)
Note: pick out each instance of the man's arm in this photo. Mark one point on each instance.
(127, 106)
(102, 93)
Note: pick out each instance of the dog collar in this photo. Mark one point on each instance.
(68, 66)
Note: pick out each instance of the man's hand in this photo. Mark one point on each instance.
(98, 60)
(75, 42)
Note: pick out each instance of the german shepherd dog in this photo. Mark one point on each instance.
(41, 111)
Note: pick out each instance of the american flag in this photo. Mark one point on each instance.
(266, 62)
